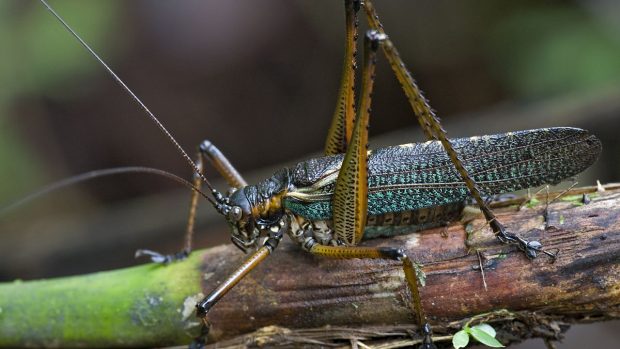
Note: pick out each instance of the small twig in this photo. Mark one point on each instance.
(529, 197)
(484, 280)
(409, 343)
(563, 192)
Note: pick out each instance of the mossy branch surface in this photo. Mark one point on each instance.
(293, 296)
(137, 306)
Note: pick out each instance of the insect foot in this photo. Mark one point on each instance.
(427, 342)
(530, 248)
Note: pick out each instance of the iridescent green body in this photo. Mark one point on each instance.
(412, 178)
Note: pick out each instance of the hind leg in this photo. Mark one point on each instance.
(432, 128)
(341, 128)
(350, 199)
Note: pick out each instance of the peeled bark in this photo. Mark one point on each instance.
(294, 298)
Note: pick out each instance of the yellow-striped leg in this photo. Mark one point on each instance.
(350, 201)
(339, 134)
(349, 252)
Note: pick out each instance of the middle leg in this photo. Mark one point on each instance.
(413, 275)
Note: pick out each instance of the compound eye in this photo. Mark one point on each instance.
(235, 213)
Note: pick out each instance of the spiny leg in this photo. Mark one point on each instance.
(202, 308)
(206, 150)
(349, 252)
(350, 202)
(419, 103)
(432, 128)
(340, 131)
(351, 192)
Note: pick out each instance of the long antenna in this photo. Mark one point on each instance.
(96, 174)
(146, 110)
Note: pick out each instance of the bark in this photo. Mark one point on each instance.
(294, 298)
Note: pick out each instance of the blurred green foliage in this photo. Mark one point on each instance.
(536, 50)
(32, 61)
(555, 50)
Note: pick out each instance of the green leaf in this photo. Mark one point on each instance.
(460, 339)
(533, 202)
(484, 338)
(577, 199)
(488, 329)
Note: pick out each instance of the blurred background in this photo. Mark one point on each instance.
(259, 80)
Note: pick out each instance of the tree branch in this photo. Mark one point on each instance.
(296, 298)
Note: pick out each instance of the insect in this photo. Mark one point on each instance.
(325, 204)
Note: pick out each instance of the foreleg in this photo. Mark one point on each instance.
(206, 150)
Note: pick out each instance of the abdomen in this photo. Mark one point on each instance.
(416, 176)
